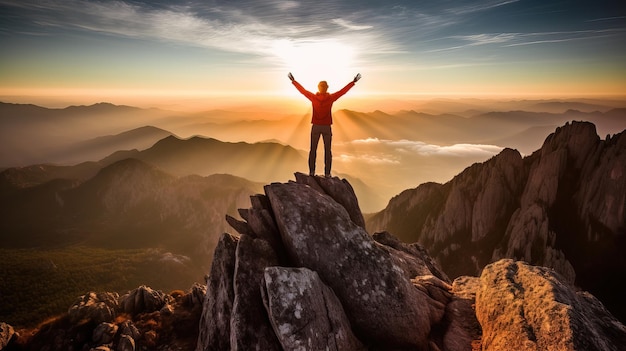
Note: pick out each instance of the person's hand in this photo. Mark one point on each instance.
(290, 76)
(357, 77)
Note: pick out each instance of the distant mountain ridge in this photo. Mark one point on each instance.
(204, 156)
(564, 206)
(125, 205)
(100, 147)
(57, 130)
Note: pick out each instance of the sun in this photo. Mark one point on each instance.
(314, 60)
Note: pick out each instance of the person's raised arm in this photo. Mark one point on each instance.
(300, 88)
(348, 86)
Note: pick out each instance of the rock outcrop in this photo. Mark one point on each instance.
(94, 307)
(523, 307)
(138, 320)
(562, 207)
(312, 278)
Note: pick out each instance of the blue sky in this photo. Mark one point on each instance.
(506, 47)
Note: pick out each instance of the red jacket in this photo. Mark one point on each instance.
(322, 103)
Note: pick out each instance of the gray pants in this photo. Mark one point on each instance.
(327, 135)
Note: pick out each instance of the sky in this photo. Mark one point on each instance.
(115, 50)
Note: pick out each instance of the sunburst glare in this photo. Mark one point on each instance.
(315, 60)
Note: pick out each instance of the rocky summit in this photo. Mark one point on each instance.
(303, 274)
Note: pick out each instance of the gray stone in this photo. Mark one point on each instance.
(214, 328)
(250, 328)
(338, 189)
(305, 313)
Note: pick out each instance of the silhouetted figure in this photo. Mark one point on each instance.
(322, 119)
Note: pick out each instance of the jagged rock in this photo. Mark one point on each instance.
(167, 309)
(143, 300)
(6, 334)
(104, 333)
(214, 328)
(318, 233)
(412, 258)
(128, 328)
(525, 307)
(261, 221)
(96, 307)
(240, 226)
(126, 343)
(338, 189)
(196, 295)
(305, 313)
(250, 328)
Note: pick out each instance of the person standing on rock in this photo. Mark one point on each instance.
(322, 119)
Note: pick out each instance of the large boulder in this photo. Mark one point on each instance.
(305, 313)
(143, 300)
(382, 304)
(524, 307)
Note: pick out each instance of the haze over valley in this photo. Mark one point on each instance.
(382, 153)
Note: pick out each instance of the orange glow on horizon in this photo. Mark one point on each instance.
(284, 99)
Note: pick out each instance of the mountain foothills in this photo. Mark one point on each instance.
(563, 206)
(303, 274)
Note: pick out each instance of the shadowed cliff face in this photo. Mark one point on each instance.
(562, 207)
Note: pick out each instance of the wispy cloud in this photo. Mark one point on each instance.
(349, 25)
(369, 159)
(221, 28)
(520, 39)
(477, 6)
(424, 149)
(251, 29)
